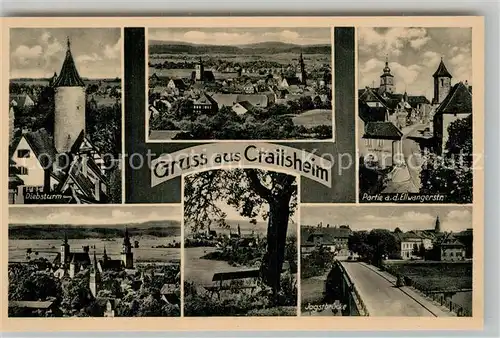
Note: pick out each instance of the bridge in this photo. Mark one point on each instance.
(371, 292)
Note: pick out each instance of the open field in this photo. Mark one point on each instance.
(284, 58)
(313, 118)
(436, 275)
(48, 248)
(246, 228)
(200, 270)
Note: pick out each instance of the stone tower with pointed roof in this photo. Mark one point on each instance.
(127, 255)
(69, 102)
(386, 79)
(442, 83)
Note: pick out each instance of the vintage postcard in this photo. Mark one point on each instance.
(243, 173)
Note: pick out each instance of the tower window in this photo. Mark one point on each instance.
(442, 82)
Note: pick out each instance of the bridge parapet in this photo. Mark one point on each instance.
(352, 293)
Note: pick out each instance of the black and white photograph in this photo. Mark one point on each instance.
(239, 84)
(415, 114)
(65, 116)
(240, 243)
(94, 261)
(396, 261)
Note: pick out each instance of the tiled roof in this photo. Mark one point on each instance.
(43, 145)
(20, 99)
(442, 71)
(370, 95)
(69, 77)
(384, 130)
(245, 104)
(205, 99)
(80, 258)
(179, 83)
(458, 101)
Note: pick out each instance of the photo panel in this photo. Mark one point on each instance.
(415, 114)
(108, 261)
(240, 243)
(65, 116)
(396, 261)
(239, 84)
(157, 167)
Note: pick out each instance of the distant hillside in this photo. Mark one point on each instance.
(271, 47)
(105, 80)
(55, 231)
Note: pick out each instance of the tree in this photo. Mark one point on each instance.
(451, 174)
(26, 283)
(317, 102)
(383, 242)
(460, 138)
(251, 192)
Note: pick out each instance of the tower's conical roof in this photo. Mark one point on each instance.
(442, 71)
(69, 77)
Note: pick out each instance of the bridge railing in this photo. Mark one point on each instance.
(352, 287)
(433, 294)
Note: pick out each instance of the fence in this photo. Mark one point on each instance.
(352, 287)
(435, 295)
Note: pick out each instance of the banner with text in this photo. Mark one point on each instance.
(241, 155)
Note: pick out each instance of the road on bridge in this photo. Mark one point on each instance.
(382, 298)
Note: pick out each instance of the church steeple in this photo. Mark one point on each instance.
(386, 79)
(69, 77)
(95, 277)
(303, 75)
(437, 227)
(126, 254)
(105, 255)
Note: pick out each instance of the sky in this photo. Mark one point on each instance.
(241, 36)
(39, 52)
(91, 215)
(407, 218)
(414, 55)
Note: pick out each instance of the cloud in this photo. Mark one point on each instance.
(229, 37)
(431, 58)
(459, 215)
(114, 51)
(391, 41)
(88, 58)
(91, 216)
(416, 44)
(24, 53)
(41, 53)
(404, 76)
